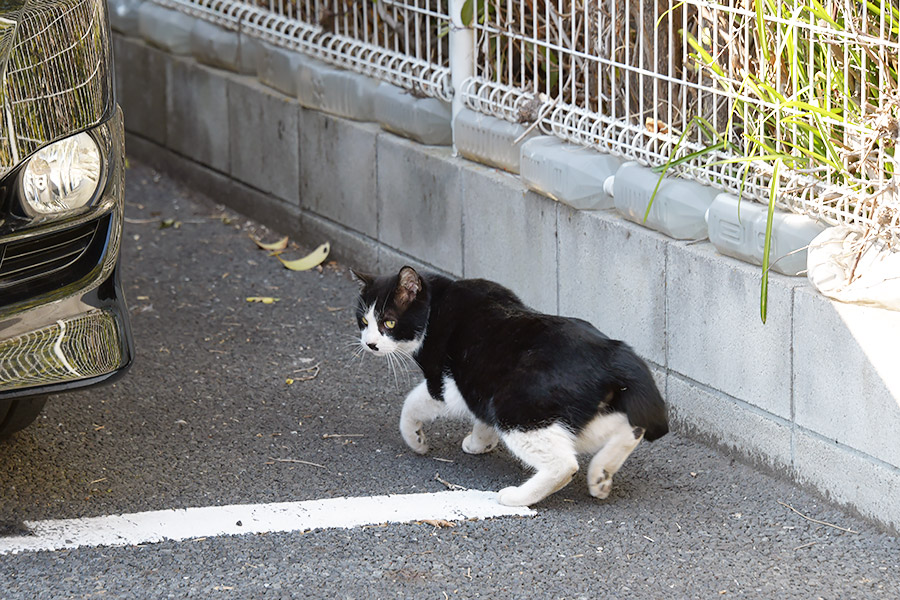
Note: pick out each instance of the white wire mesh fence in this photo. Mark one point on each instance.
(400, 41)
(808, 91)
(732, 93)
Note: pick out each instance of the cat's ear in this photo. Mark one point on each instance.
(409, 285)
(362, 279)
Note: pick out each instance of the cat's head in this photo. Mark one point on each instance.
(392, 312)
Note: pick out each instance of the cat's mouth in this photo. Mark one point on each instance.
(374, 349)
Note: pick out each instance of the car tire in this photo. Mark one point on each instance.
(17, 414)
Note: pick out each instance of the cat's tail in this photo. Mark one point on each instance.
(638, 397)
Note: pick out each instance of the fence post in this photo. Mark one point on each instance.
(462, 58)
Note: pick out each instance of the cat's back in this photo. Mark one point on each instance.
(478, 314)
(482, 294)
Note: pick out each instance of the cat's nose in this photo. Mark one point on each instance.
(372, 346)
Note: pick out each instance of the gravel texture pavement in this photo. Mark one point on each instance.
(207, 417)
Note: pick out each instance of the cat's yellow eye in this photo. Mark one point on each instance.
(365, 321)
(390, 323)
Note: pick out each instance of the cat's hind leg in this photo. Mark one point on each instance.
(551, 452)
(620, 443)
(483, 438)
(419, 409)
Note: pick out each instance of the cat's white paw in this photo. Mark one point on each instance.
(514, 496)
(472, 444)
(602, 486)
(413, 433)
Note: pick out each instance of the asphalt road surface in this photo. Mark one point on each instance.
(207, 417)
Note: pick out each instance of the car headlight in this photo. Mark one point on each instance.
(62, 176)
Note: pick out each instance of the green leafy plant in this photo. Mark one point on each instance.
(817, 94)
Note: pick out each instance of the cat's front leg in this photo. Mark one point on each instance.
(483, 438)
(419, 409)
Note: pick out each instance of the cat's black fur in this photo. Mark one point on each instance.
(517, 368)
(550, 387)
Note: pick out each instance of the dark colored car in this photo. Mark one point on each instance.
(63, 321)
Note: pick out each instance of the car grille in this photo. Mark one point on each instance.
(43, 255)
(44, 263)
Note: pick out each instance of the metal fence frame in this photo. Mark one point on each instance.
(622, 76)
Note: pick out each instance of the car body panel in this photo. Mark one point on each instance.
(63, 319)
(56, 73)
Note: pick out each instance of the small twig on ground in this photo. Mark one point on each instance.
(438, 523)
(450, 486)
(805, 546)
(816, 520)
(313, 373)
(341, 435)
(298, 461)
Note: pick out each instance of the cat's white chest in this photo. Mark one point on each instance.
(453, 399)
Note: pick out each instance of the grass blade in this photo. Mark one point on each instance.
(764, 285)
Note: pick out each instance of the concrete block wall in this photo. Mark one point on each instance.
(813, 394)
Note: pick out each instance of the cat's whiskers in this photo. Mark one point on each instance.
(408, 361)
(391, 360)
(357, 351)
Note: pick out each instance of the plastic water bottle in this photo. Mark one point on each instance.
(489, 140)
(678, 210)
(567, 173)
(425, 120)
(335, 91)
(738, 229)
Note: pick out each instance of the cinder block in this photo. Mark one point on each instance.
(198, 114)
(420, 202)
(390, 262)
(510, 236)
(264, 138)
(761, 438)
(347, 246)
(849, 478)
(218, 187)
(846, 376)
(714, 331)
(337, 168)
(661, 377)
(141, 87)
(613, 274)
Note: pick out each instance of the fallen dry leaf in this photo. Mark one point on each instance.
(279, 245)
(656, 126)
(263, 299)
(313, 259)
(438, 523)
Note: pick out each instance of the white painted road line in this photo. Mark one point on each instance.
(191, 523)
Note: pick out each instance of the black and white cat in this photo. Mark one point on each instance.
(550, 387)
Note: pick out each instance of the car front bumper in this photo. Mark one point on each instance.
(63, 319)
